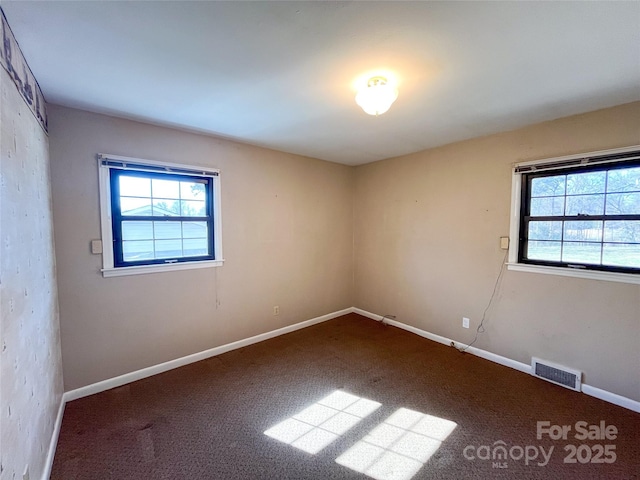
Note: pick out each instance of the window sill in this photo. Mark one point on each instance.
(570, 272)
(143, 269)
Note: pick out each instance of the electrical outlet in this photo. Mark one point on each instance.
(504, 243)
(465, 322)
(276, 310)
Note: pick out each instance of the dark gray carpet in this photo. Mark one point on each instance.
(206, 420)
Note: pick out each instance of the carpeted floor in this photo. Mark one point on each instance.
(391, 404)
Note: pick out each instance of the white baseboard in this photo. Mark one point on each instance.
(53, 443)
(196, 357)
(364, 313)
(179, 362)
(507, 362)
(611, 397)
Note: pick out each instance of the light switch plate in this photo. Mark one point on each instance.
(96, 247)
(504, 243)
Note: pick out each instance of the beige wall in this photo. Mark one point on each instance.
(427, 230)
(424, 229)
(287, 239)
(31, 367)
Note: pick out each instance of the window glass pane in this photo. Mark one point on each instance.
(137, 231)
(167, 230)
(131, 186)
(160, 199)
(192, 191)
(135, 206)
(194, 229)
(621, 255)
(548, 186)
(581, 252)
(193, 208)
(545, 230)
(622, 231)
(583, 230)
(547, 206)
(165, 188)
(195, 246)
(589, 182)
(624, 180)
(550, 251)
(166, 208)
(580, 204)
(623, 203)
(134, 251)
(168, 248)
(585, 204)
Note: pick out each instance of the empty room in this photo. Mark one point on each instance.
(319, 240)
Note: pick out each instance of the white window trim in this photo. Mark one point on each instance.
(108, 269)
(514, 227)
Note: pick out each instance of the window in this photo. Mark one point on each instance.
(158, 217)
(579, 213)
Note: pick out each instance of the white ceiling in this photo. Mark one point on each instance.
(281, 74)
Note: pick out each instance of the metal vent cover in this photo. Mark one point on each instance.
(566, 377)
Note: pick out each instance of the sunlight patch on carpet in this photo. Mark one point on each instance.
(318, 425)
(397, 448)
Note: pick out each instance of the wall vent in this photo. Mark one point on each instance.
(557, 374)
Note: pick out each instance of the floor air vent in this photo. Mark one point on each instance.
(557, 374)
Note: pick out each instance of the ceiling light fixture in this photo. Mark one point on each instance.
(377, 96)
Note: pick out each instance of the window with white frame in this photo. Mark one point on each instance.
(158, 216)
(579, 213)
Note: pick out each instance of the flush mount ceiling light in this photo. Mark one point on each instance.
(377, 96)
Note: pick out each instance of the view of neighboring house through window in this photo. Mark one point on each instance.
(584, 217)
(160, 217)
